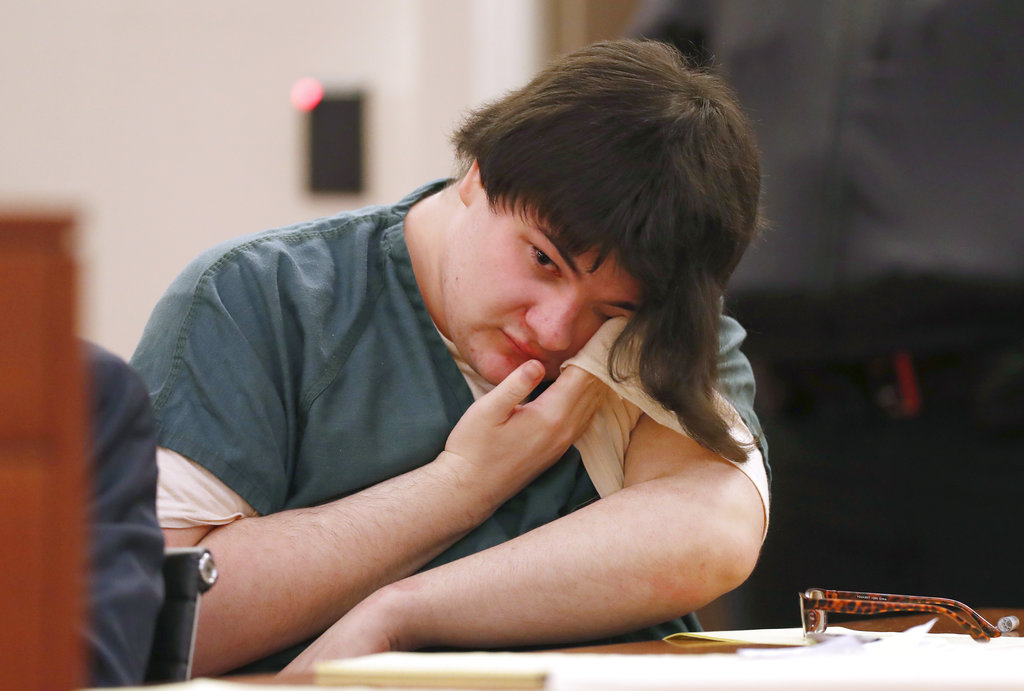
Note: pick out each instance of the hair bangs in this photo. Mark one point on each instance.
(587, 201)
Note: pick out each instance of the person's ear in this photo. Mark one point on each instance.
(470, 185)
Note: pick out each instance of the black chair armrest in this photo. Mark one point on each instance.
(188, 573)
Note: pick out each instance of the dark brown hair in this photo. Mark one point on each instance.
(625, 148)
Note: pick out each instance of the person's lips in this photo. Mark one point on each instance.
(522, 350)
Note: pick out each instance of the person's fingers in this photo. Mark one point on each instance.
(510, 392)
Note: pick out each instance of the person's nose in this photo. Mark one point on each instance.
(554, 321)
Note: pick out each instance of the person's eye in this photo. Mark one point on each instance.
(543, 260)
(606, 314)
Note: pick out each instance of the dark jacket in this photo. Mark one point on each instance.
(892, 134)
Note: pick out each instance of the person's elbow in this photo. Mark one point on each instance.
(185, 537)
(733, 548)
(732, 539)
(714, 546)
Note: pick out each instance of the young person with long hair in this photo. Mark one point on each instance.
(505, 411)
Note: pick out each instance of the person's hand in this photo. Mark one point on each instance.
(511, 441)
(365, 630)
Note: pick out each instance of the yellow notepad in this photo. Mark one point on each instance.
(436, 670)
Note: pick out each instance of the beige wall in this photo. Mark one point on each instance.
(166, 125)
(571, 24)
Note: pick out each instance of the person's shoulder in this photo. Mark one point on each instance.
(99, 357)
(345, 228)
(105, 366)
(334, 237)
(112, 381)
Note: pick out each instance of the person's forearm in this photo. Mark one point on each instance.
(288, 576)
(641, 556)
(636, 558)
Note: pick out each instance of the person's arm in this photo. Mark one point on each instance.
(686, 529)
(288, 576)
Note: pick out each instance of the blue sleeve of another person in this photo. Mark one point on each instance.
(126, 544)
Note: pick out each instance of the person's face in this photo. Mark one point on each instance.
(509, 295)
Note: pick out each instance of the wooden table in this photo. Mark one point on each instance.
(697, 646)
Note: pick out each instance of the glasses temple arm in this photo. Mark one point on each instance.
(954, 605)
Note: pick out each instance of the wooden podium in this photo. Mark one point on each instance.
(42, 458)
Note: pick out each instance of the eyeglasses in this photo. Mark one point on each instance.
(815, 602)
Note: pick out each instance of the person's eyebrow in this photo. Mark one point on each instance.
(562, 254)
(567, 258)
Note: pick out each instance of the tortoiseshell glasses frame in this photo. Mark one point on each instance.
(815, 602)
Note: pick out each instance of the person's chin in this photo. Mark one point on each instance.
(495, 369)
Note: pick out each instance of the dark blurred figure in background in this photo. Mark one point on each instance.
(126, 586)
(886, 304)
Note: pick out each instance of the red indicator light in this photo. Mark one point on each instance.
(307, 94)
